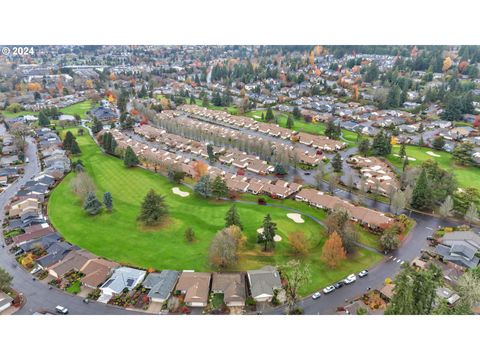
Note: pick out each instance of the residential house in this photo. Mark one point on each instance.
(96, 271)
(75, 260)
(19, 207)
(196, 287)
(55, 253)
(122, 278)
(263, 282)
(33, 232)
(232, 286)
(460, 248)
(161, 285)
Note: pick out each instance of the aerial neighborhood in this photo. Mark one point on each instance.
(240, 180)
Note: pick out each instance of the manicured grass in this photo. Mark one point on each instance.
(118, 236)
(74, 288)
(367, 238)
(467, 176)
(11, 115)
(80, 108)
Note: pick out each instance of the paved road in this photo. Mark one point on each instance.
(38, 295)
(389, 267)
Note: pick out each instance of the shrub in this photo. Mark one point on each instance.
(250, 301)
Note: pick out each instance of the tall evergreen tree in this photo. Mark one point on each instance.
(43, 119)
(269, 116)
(381, 145)
(153, 209)
(92, 205)
(415, 291)
(364, 147)
(68, 140)
(337, 163)
(130, 159)
(108, 201)
(75, 149)
(211, 155)
(219, 188)
(267, 237)
(290, 122)
(421, 194)
(333, 131)
(233, 218)
(402, 153)
(203, 187)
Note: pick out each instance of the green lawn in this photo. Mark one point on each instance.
(80, 108)
(367, 238)
(10, 115)
(466, 176)
(74, 287)
(118, 236)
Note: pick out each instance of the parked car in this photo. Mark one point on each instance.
(316, 296)
(350, 279)
(329, 289)
(18, 252)
(306, 173)
(35, 270)
(61, 310)
(363, 273)
(338, 285)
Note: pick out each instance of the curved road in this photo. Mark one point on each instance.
(389, 267)
(38, 296)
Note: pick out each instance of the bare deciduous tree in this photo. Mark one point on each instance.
(295, 275)
(82, 184)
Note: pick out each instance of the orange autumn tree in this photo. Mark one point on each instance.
(333, 251)
(200, 168)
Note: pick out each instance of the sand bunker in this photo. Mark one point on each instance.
(296, 217)
(431, 153)
(409, 158)
(275, 238)
(179, 192)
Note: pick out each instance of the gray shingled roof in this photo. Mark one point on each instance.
(456, 258)
(264, 280)
(462, 236)
(161, 284)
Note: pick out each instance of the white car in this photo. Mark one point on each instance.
(329, 289)
(316, 296)
(61, 310)
(35, 270)
(350, 279)
(363, 273)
